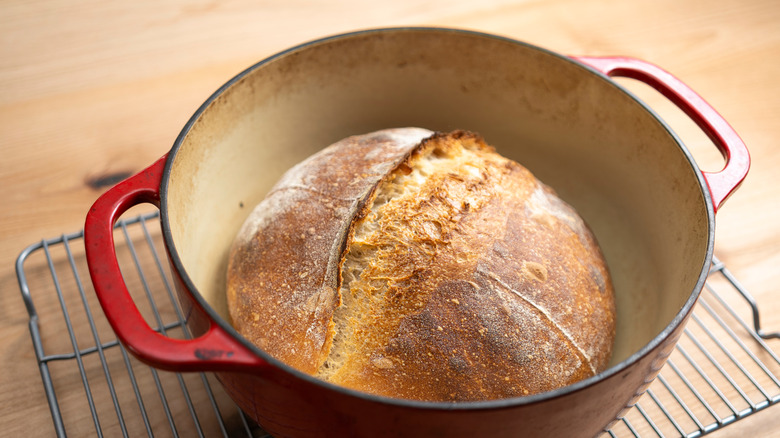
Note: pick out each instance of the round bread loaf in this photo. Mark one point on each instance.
(422, 265)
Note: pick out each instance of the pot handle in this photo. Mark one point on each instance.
(721, 184)
(215, 350)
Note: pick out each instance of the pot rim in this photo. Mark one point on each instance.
(621, 366)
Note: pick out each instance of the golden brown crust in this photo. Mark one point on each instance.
(464, 278)
(283, 269)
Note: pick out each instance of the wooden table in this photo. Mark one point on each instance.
(92, 91)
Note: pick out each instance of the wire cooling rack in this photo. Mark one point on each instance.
(722, 370)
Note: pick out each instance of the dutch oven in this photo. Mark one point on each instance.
(600, 147)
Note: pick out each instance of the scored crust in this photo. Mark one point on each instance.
(283, 267)
(425, 266)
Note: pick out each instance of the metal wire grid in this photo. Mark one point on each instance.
(119, 394)
(722, 371)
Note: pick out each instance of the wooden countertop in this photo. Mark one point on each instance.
(92, 91)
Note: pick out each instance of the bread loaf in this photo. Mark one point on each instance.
(421, 265)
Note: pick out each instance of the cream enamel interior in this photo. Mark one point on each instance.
(601, 150)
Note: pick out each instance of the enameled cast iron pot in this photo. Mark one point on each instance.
(601, 148)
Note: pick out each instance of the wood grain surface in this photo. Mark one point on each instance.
(93, 91)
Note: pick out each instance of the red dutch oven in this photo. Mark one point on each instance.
(603, 150)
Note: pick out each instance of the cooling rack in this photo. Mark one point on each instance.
(723, 369)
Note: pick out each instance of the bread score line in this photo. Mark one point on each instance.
(422, 265)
